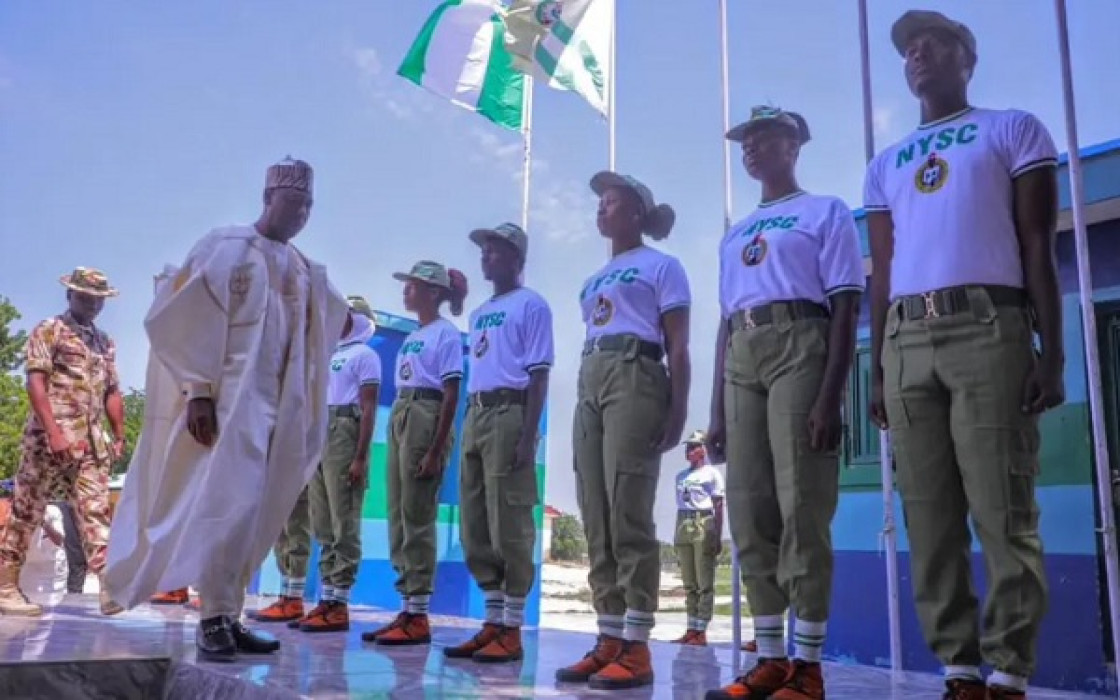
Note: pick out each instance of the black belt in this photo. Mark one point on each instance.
(796, 310)
(498, 397)
(420, 394)
(622, 342)
(694, 514)
(348, 411)
(954, 300)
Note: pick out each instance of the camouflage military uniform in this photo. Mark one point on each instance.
(81, 371)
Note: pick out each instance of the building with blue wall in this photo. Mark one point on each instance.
(455, 592)
(1073, 651)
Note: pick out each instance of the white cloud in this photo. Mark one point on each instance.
(385, 90)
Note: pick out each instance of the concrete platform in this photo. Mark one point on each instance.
(75, 652)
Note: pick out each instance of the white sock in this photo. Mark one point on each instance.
(698, 625)
(636, 626)
(495, 606)
(340, 594)
(770, 633)
(808, 640)
(418, 604)
(963, 673)
(293, 587)
(611, 625)
(514, 611)
(1006, 680)
(327, 594)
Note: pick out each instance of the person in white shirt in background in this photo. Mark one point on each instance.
(698, 535)
(429, 370)
(633, 394)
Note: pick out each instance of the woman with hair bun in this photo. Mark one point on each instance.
(428, 373)
(630, 410)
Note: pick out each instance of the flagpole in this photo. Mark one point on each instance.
(1089, 338)
(611, 75)
(725, 95)
(889, 533)
(527, 153)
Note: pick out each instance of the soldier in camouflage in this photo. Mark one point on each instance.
(73, 386)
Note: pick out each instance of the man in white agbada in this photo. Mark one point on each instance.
(241, 337)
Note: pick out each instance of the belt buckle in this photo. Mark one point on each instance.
(931, 308)
(594, 346)
(748, 319)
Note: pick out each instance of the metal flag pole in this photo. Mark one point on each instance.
(725, 70)
(1089, 337)
(889, 534)
(527, 153)
(612, 72)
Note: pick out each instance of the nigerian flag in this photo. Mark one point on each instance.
(460, 55)
(564, 42)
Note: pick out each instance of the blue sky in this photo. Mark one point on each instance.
(129, 129)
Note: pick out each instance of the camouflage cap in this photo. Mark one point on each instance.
(698, 437)
(296, 174)
(510, 233)
(359, 305)
(605, 180)
(915, 22)
(426, 271)
(88, 281)
(767, 116)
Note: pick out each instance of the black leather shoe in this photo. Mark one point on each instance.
(215, 640)
(250, 642)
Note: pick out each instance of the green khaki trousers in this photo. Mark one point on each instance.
(413, 502)
(336, 505)
(293, 549)
(953, 388)
(781, 495)
(698, 565)
(496, 501)
(621, 407)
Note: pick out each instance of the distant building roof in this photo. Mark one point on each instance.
(551, 512)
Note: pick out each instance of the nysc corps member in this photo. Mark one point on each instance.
(791, 275)
(429, 370)
(511, 352)
(630, 409)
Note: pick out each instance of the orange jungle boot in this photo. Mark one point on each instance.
(373, 635)
(766, 678)
(505, 647)
(413, 629)
(805, 682)
(630, 669)
(334, 617)
(606, 650)
(467, 649)
(176, 597)
(285, 609)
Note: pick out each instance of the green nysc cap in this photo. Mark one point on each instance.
(426, 271)
(915, 22)
(360, 306)
(698, 437)
(510, 233)
(765, 116)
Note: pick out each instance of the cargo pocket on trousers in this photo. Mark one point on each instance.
(520, 498)
(1022, 472)
(635, 488)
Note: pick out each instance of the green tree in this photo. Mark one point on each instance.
(13, 413)
(134, 401)
(11, 342)
(568, 541)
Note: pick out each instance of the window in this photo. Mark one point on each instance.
(861, 444)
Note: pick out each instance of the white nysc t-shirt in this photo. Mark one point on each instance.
(510, 337)
(697, 488)
(804, 246)
(430, 356)
(631, 293)
(353, 366)
(948, 189)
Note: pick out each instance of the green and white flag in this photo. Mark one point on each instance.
(564, 42)
(460, 55)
